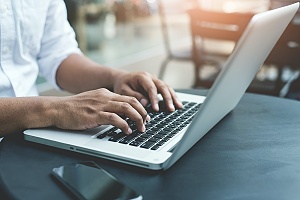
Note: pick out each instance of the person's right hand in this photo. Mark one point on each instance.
(99, 107)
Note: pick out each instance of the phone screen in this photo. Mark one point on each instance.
(88, 181)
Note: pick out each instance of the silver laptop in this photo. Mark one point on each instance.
(164, 143)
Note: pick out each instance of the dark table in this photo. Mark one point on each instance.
(253, 153)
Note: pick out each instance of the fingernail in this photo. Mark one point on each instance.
(144, 102)
(171, 106)
(129, 131)
(180, 103)
(143, 128)
(155, 107)
(148, 118)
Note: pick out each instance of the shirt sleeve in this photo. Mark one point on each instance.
(58, 41)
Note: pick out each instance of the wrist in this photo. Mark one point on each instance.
(44, 112)
(116, 76)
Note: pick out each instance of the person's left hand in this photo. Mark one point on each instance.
(145, 87)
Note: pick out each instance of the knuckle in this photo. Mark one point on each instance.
(133, 100)
(151, 87)
(164, 87)
(112, 117)
(168, 99)
(138, 119)
(144, 74)
(103, 90)
(162, 84)
(125, 106)
(122, 90)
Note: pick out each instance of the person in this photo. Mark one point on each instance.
(37, 38)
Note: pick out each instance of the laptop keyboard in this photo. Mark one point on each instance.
(160, 129)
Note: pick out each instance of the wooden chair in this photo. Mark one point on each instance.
(178, 55)
(218, 26)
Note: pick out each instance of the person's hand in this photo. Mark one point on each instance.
(145, 87)
(98, 107)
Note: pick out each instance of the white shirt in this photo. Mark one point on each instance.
(35, 37)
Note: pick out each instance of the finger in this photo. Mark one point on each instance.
(108, 118)
(137, 106)
(150, 88)
(169, 95)
(165, 92)
(130, 92)
(177, 102)
(131, 108)
(134, 102)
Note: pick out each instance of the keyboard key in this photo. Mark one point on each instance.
(124, 141)
(128, 138)
(161, 128)
(155, 129)
(147, 144)
(155, 147)
(110, 132)
(175, 131)
(166, 139)
(135, 143)
(117, 137)
(101, 136)
(154, 139)
(151, 132)
(146, 135)
(159, 135)
(164, 133)
(140, 139)
(160, 143)
(167, 129)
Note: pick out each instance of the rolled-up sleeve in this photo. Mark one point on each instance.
(58, 41)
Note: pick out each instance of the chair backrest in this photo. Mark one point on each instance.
(213, 25)
(218, 25)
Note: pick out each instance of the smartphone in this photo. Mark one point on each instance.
(88, 181)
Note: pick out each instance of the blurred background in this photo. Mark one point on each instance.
(138, 35)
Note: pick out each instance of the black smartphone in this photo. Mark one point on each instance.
(88, 181)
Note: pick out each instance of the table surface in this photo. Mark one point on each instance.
(253, 153)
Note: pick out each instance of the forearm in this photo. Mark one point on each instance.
(21, 113)
(78, 74)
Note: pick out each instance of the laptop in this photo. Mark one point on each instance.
(164, 143)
